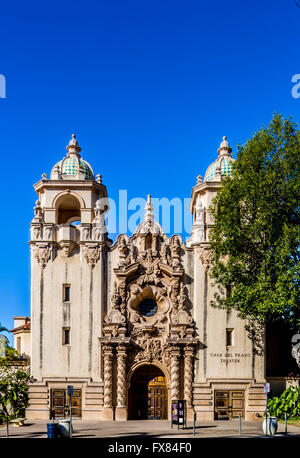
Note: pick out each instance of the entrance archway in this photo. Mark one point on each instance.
(148, 394)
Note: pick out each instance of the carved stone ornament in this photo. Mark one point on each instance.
(151, 349)
(150, 271)
(36, 231)
(148, 346)
(199, 212)
(205, 257)
(91, 255)
(48, 232)
(181, 298)
(85, 232)
(115, 317)
(38, 212)
(42, 255)
(67, 247)
(175, 252)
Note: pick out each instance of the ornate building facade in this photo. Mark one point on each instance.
(129, 325)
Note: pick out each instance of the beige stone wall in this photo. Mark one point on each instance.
(50, 315)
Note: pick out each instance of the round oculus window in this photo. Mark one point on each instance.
(148, 307)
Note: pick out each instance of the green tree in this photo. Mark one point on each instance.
(13, 387)
(255, 238)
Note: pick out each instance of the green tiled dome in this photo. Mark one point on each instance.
(225, 164)
(72, 165)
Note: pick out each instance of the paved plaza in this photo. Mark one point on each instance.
(149, 428)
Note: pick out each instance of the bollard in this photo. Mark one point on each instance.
(240, 425)
(285, 418)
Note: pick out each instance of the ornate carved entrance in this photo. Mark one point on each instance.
(149, 321)
(148, 394)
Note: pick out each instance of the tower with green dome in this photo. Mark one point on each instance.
(204, 192)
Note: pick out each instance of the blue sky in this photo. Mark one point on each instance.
(149, 87)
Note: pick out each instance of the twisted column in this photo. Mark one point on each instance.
(121, 376)
(175, 368)
(108, 362)
(188, 376)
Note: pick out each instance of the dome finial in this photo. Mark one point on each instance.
(149, 210)
(224, 147)
(73, 147)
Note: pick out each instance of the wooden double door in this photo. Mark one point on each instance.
(157, 399)
(60, 403)
(229, 404)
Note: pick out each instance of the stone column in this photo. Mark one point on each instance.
(188, 380)
(121, 410)
(107, 412)
(175, 367)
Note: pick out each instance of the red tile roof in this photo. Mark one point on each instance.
(25, 327)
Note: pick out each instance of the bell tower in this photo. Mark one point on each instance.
(68, 267)
(228, 364)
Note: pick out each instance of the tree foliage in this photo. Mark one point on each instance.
(288, 403)
(255, 238)
(13, 386)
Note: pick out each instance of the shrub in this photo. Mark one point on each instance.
(288, 403)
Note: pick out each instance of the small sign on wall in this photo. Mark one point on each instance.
(70, 390)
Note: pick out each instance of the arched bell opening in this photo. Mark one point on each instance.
(68, 209)
(148, 393)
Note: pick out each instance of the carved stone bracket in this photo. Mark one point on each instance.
(67, 247)
(42, 254)
(91, 255)
(205, 257)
